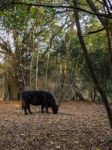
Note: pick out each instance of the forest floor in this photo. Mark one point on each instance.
(77, 126)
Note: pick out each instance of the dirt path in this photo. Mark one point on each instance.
(78, 126)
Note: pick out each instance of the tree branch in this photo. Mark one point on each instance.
(96, 31)
(72, 8)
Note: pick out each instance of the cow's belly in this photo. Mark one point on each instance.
(35, 102)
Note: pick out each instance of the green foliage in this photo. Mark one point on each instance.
(38, 29)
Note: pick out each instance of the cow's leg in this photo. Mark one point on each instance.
(29, 109)
(42, 108)
(46, 107)
(25, 109)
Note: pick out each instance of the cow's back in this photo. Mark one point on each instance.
(38, 98)
(32, 97)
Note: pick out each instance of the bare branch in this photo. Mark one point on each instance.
(96, 31)
(72, 8)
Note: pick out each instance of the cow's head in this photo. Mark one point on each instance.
(55, 109)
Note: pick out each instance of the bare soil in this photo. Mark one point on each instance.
(77, 126)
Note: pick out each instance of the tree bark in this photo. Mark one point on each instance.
(85, 51)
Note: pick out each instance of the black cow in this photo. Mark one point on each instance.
(43, 98)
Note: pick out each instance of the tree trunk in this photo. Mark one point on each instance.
(11, 87)
(37, 69)
(84, 48)
(46, 71)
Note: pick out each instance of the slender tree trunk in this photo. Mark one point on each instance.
(37, 61)
(22, 72)
(30, 87)
(46, 72)
(84, 48)
(31, 63)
